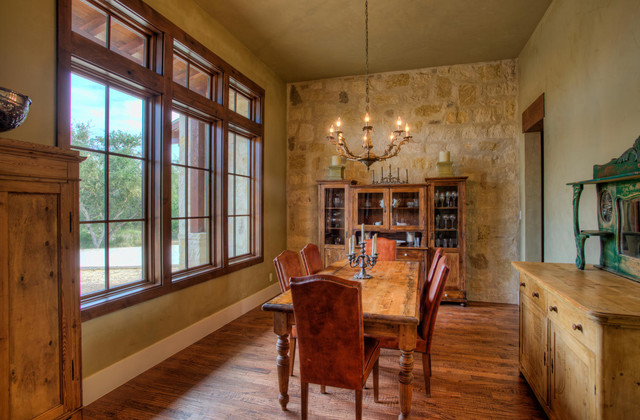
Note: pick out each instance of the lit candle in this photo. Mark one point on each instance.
(406, 130)
(338, 123)
(399, 122)
(391, 138)
(366, 119)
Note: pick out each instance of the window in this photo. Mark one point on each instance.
(171, 188)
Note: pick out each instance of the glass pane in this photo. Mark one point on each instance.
(178, 138)
(178, 245)
(198, 143)
(630, 229)
(198, 193)
(370, 208)
(243, 105)
(128, 43)
(125, 253)
(242, 235)
(232, 99)
(179, 71)
(92, 188)
(178, 191)
(231, 199)
(242, 196)
(232, 153)
(92, 258)
(242, 155)
(199, 81)
(89, 22)
(125, 188)
(198, 242)
(232, 237)
(88, 101)
(125, 123)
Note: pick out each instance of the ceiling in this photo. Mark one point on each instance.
(315, 39)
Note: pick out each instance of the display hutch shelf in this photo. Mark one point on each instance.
(401, 212)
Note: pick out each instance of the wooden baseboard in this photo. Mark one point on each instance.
(109, 378)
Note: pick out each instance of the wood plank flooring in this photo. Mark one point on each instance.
(232, 374)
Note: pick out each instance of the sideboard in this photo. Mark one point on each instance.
(580, 340)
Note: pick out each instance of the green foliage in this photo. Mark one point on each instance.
(126, 176)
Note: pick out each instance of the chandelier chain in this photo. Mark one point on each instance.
(366, 48)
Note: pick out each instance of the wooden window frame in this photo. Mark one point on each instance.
(79, 54)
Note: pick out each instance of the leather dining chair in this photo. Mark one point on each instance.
(386, 249)
(288, 265)
(432, 298)
(332, 346)
(311, 259)
(425, 281)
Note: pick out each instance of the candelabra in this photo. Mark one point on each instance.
(363, 261)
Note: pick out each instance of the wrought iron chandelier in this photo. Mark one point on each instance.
(397, 138)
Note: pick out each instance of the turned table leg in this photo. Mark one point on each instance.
(405, 377)
(282, 329)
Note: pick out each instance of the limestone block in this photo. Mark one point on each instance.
(444, 87)
(397, 80)
(467, 95)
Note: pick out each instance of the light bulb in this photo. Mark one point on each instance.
(399, 122)
(406, 128)
(391, 138)
(366, 119)
(338, 123)
(331, 130)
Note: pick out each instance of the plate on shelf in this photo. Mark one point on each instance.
(401, 224)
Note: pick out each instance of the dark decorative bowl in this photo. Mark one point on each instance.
(14, 108)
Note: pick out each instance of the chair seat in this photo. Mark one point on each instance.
(392, 343)
(371, 353)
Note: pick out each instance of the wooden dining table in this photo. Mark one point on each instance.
(390, 308)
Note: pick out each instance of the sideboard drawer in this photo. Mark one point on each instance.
(410, 255)
(573, 320)
(533, 291)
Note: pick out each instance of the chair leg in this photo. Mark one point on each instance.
(376, 372)
(358, 404)
(426, 369)
(323, 389)
(304, 391)
(293, 355)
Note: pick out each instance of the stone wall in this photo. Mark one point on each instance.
(469, 110)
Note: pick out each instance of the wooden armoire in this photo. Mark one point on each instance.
(39, 295)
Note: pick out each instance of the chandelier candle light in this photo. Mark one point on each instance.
(363, 260)
(398, 137)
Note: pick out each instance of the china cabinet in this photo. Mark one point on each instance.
(579, 338)
(401, 212)
(39, 294)
(333, 211)
(447, 216)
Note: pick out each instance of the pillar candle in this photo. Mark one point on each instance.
(335, 160)
(445, 156)
(362, 233)
(375, 242)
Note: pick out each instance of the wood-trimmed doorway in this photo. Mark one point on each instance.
(533, 209)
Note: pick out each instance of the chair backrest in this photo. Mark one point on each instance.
(311, 259)
(287, 266)
(425, 282)
(386, 249)
(433, 297)
(328, 316)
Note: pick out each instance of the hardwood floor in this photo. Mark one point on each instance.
(232, 374)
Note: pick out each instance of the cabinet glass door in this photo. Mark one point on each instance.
(445, 216)
(370, 208)
(406, 208)
(334, 216)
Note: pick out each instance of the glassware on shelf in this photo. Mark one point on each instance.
(454, 198)
(437, 221)
(447, 199)
(453, 220)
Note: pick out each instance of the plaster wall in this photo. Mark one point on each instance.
(469, 110)
(585, 56)
(28, 51)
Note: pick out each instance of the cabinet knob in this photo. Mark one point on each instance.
(535, 294)
(577, 327)
(523, 284)
(553, 308)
